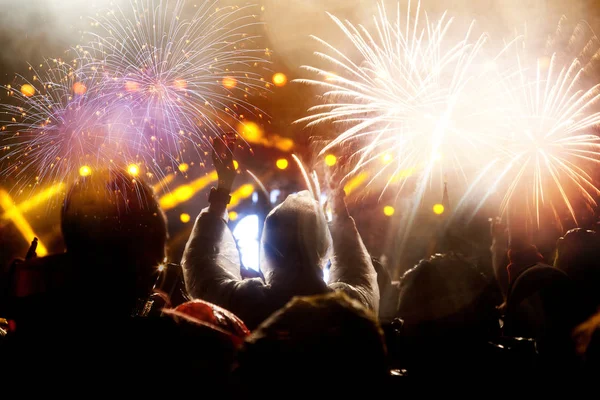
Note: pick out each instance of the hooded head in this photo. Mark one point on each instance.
(295, 240)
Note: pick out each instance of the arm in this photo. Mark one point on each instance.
(210, 261)
(352, 270)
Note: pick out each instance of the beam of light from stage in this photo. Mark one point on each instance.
(35, 200)
(183, 193)
(6, 202)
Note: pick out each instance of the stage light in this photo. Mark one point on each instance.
(387, 158)
(236, 165)
(388, 211)
(282, 163)
(279, 79)
(185, 218)
(85, 171)
(438, 209)
(233, 215)
(161, 267)
(250, 131)
(246, 235)
(330, 160)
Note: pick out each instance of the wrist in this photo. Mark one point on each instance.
(219, 196)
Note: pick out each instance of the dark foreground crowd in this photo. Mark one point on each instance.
(104, 311)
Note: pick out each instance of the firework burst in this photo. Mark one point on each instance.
(56, 122)
(549, 146)
(409, 100)
(185, 80)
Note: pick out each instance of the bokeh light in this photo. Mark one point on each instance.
(330, 160)
(236, 164)
(132, 86)
(85, 170)
(438, 209)
(180, 84)
(233, 215)
(229, 82)
(27, 90)
(250, 131)
(133, 169)
(185, 218)
(282, 163)
(388, 211)
(183, 167)
(279, 79)
(387, 158)
(79, 88)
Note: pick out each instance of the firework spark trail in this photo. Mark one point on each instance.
(64, 124)
(549, 147)
(412, 94)
(173, 71)
(416, 94)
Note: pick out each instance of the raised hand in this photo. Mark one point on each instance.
(222, 156)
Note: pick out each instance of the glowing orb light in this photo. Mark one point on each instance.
(133, 169)
(79, 88)
(85, 171)
(388, 211)
(282, 163)
(27, 90)
(185, 218)
(132, 86)
(233, 215)
(183, 167)
(279, 79)
(229, 82)
(438, 209)
(250, 131)
(330, 160)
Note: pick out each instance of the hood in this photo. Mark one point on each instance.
(295, 238)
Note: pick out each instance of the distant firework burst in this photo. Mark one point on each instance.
(550, 147)
(184, 79)
(60, 122)
(409, 99)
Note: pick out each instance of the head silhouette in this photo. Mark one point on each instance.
(113, 227)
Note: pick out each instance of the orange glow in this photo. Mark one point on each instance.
(79, 88)
(180, 84)
(20, 222)
(438, 209)
(330, 160)
(163, 182)
(185, 218)
(233, 215)
(236, 165)
(133, 169)
(279, 79)
(27, 90)
(132, 86)
(388, 211)
(282, 163)
(85, 171)
(229, 82)
(250, 131)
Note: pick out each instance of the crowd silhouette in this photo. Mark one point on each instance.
(107, 311)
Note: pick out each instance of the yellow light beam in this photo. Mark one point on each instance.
(34, 201)
(355, 182)
(163, 182)
(241, 193)
(185, 192)
(20, 222)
